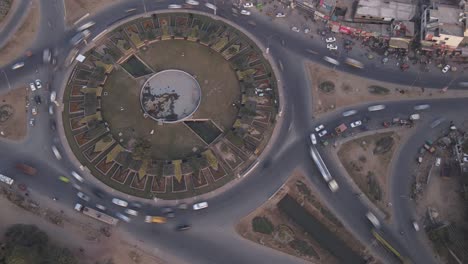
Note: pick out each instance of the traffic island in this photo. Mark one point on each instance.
(14, 106)
(170, 106)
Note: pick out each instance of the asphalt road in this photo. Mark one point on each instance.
(212, 238)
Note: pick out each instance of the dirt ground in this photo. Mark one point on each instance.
(314, 206)
(75, 9)
(21, 40)
(347, 84)
(369, 170)
(12, 106)
(85, 240)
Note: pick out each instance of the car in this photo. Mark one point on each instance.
(37, 99)
(306, 30)
(83, 196)
(446, 68)
(183, 206)
(356, 123)
(245, 12)
(86, 26)
(131, 212)
(53, 96)
(155, 219)
(77, 176)
(38, 84)
(199, 206)
(331, 60)
(119, 202)
(32, 122)
(183, 227)
(295, 29)
(438, 161)
(123, 217)
(332, 47)
(322, 133)
(168, 212)
(422, 107)
(53, 126)
(56, 153)
(373, 219)
(192, 2)
(51, 109)
(136, 205)
(76, 186)
(349, 113)
(319, 127)
(34, 110)
(32, 87)
(100, 194)
(211, 6)
(101, 207)
(376, 108)
(313, 139)
(173, 6)
(64, 179)
(330, 39)
(354, 63)
(280, 15)
(248, 5)
(415, 226)
(46, 56)
(333, 186)
(17, 65)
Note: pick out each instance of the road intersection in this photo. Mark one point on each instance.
(213, 238)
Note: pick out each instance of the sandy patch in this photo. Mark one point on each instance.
(13, 114)
(75, 9)
(350, 89)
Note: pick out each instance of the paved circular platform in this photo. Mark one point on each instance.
(170, 96)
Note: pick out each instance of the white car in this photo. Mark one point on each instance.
(211, 6)
(349, 113)
(199, 206)
(17, 65)
(101, 207)
(446, 68)
(245, 12)
(331, 60)
(120, 202)
(438, 161)
(376, 108)
(415, 226)
(53, 96)
(123, 217)
(86, 26)
(56, 153)
(77, 176)
(373, 219)
(248, 5)
(356, 123)
(34, 110)
(32, 87)
(322, 133)
(306, 30)
(279, 14)
(32, 121)
(422, 107)
(313, 139)
(174, 6)
(332, 47)
(51, 109)
(192, 2)
(330, 39)
(131, 212)
(295, 29)
(333, 185)
(83, 196)
(38, 84)
(319, 127)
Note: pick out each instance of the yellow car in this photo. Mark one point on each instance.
(155, 219)
(64, 179)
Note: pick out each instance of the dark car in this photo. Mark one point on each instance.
(100, 194)
(53, 126)
(37, 99)
(183, 227)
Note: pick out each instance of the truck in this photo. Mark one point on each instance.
(96, 214)
(6, 179)
(26, 169)
(341, 128)
(428, 146)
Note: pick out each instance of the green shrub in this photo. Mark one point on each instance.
(378, 90)
(327, 87)
(261, 224)
(303, 248)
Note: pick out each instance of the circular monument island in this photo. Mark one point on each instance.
(170, 106)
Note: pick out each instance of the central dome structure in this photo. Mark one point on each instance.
(170, 96)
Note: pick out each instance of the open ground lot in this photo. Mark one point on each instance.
(367, 160)
(217, 80)
(24, 36)
(13, 114)
(75, 9)
(5, 6)
(333, 89)
(285, 235)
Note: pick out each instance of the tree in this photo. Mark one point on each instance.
(262, 225)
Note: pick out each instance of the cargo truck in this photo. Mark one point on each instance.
(96, 214)
(341, 128)
(26, 169)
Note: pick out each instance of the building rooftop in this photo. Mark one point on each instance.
(380, 8)
(446, 14)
